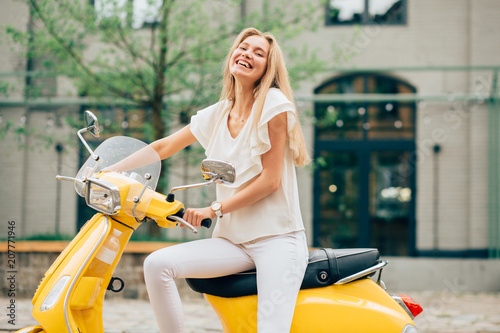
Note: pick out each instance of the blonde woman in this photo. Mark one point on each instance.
(255, 127)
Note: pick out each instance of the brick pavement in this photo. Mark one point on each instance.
(443, 313)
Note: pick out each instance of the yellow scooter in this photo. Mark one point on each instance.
(337, 296)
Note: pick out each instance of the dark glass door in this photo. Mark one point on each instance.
(390, 201)
(339, 199)
(366, 199)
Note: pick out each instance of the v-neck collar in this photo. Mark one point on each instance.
(226, 121)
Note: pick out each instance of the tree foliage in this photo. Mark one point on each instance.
(165, 55)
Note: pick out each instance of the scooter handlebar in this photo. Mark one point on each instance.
(207, 223)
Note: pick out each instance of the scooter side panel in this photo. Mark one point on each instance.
(88, 317)
(360, 306)
(62, 256)
(68, 264)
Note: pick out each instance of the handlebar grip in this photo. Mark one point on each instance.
(207, 223)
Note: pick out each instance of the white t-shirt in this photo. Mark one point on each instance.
(277, 213)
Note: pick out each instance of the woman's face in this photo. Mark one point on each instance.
(249, 61)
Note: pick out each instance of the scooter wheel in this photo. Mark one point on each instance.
(32, 329)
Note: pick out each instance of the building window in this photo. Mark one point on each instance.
(364, 12)
(357, 120)
(132, 13)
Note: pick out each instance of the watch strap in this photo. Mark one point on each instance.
(217, 210)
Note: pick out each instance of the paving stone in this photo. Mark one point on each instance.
(464, 313)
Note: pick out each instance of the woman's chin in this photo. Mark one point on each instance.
(244, 78)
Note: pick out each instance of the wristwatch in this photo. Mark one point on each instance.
(216, 208)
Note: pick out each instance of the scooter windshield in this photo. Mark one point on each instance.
(130, 157)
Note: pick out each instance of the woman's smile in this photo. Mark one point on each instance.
(243, 63)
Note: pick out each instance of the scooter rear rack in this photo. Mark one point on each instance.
(380, 266)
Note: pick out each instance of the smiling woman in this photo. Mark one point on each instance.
(259, 220)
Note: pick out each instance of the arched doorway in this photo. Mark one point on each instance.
(364, 182)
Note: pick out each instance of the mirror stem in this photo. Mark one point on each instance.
(83, 130)
(184, 187)
(69, 179)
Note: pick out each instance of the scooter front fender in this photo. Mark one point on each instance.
(360, 306)
(66, 301)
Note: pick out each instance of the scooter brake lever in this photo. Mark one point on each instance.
(183, 222)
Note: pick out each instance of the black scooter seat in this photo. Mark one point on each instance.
(326, 266)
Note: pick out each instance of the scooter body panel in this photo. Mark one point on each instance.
(31, 329)
(77, 306)
(336, 308)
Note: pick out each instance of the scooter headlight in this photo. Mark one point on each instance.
(55, 293)
(102, 196)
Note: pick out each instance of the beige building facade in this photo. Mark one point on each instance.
(406, 162)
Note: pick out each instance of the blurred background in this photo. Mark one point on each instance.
(399, 102)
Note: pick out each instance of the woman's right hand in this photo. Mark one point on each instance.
(194, 216)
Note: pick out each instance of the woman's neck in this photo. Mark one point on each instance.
(244, 100)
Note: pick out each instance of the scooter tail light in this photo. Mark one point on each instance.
(412, 306)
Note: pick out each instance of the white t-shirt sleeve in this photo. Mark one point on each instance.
(276, 103)
(203, 124)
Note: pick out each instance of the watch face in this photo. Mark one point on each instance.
(216, 206)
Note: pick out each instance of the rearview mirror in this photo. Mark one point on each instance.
(215, 172)
(220, 171)
(92, 123)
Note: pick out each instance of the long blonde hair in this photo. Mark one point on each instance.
(276, 76)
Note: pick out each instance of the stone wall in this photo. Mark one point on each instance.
(402, 274)
(31, 266)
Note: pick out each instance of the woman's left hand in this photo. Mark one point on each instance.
(194, 216)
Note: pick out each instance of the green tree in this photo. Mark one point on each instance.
(162, 55)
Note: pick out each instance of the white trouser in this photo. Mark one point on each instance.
(280, 262)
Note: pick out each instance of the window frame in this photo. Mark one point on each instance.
(365, 17)
(364, 146)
